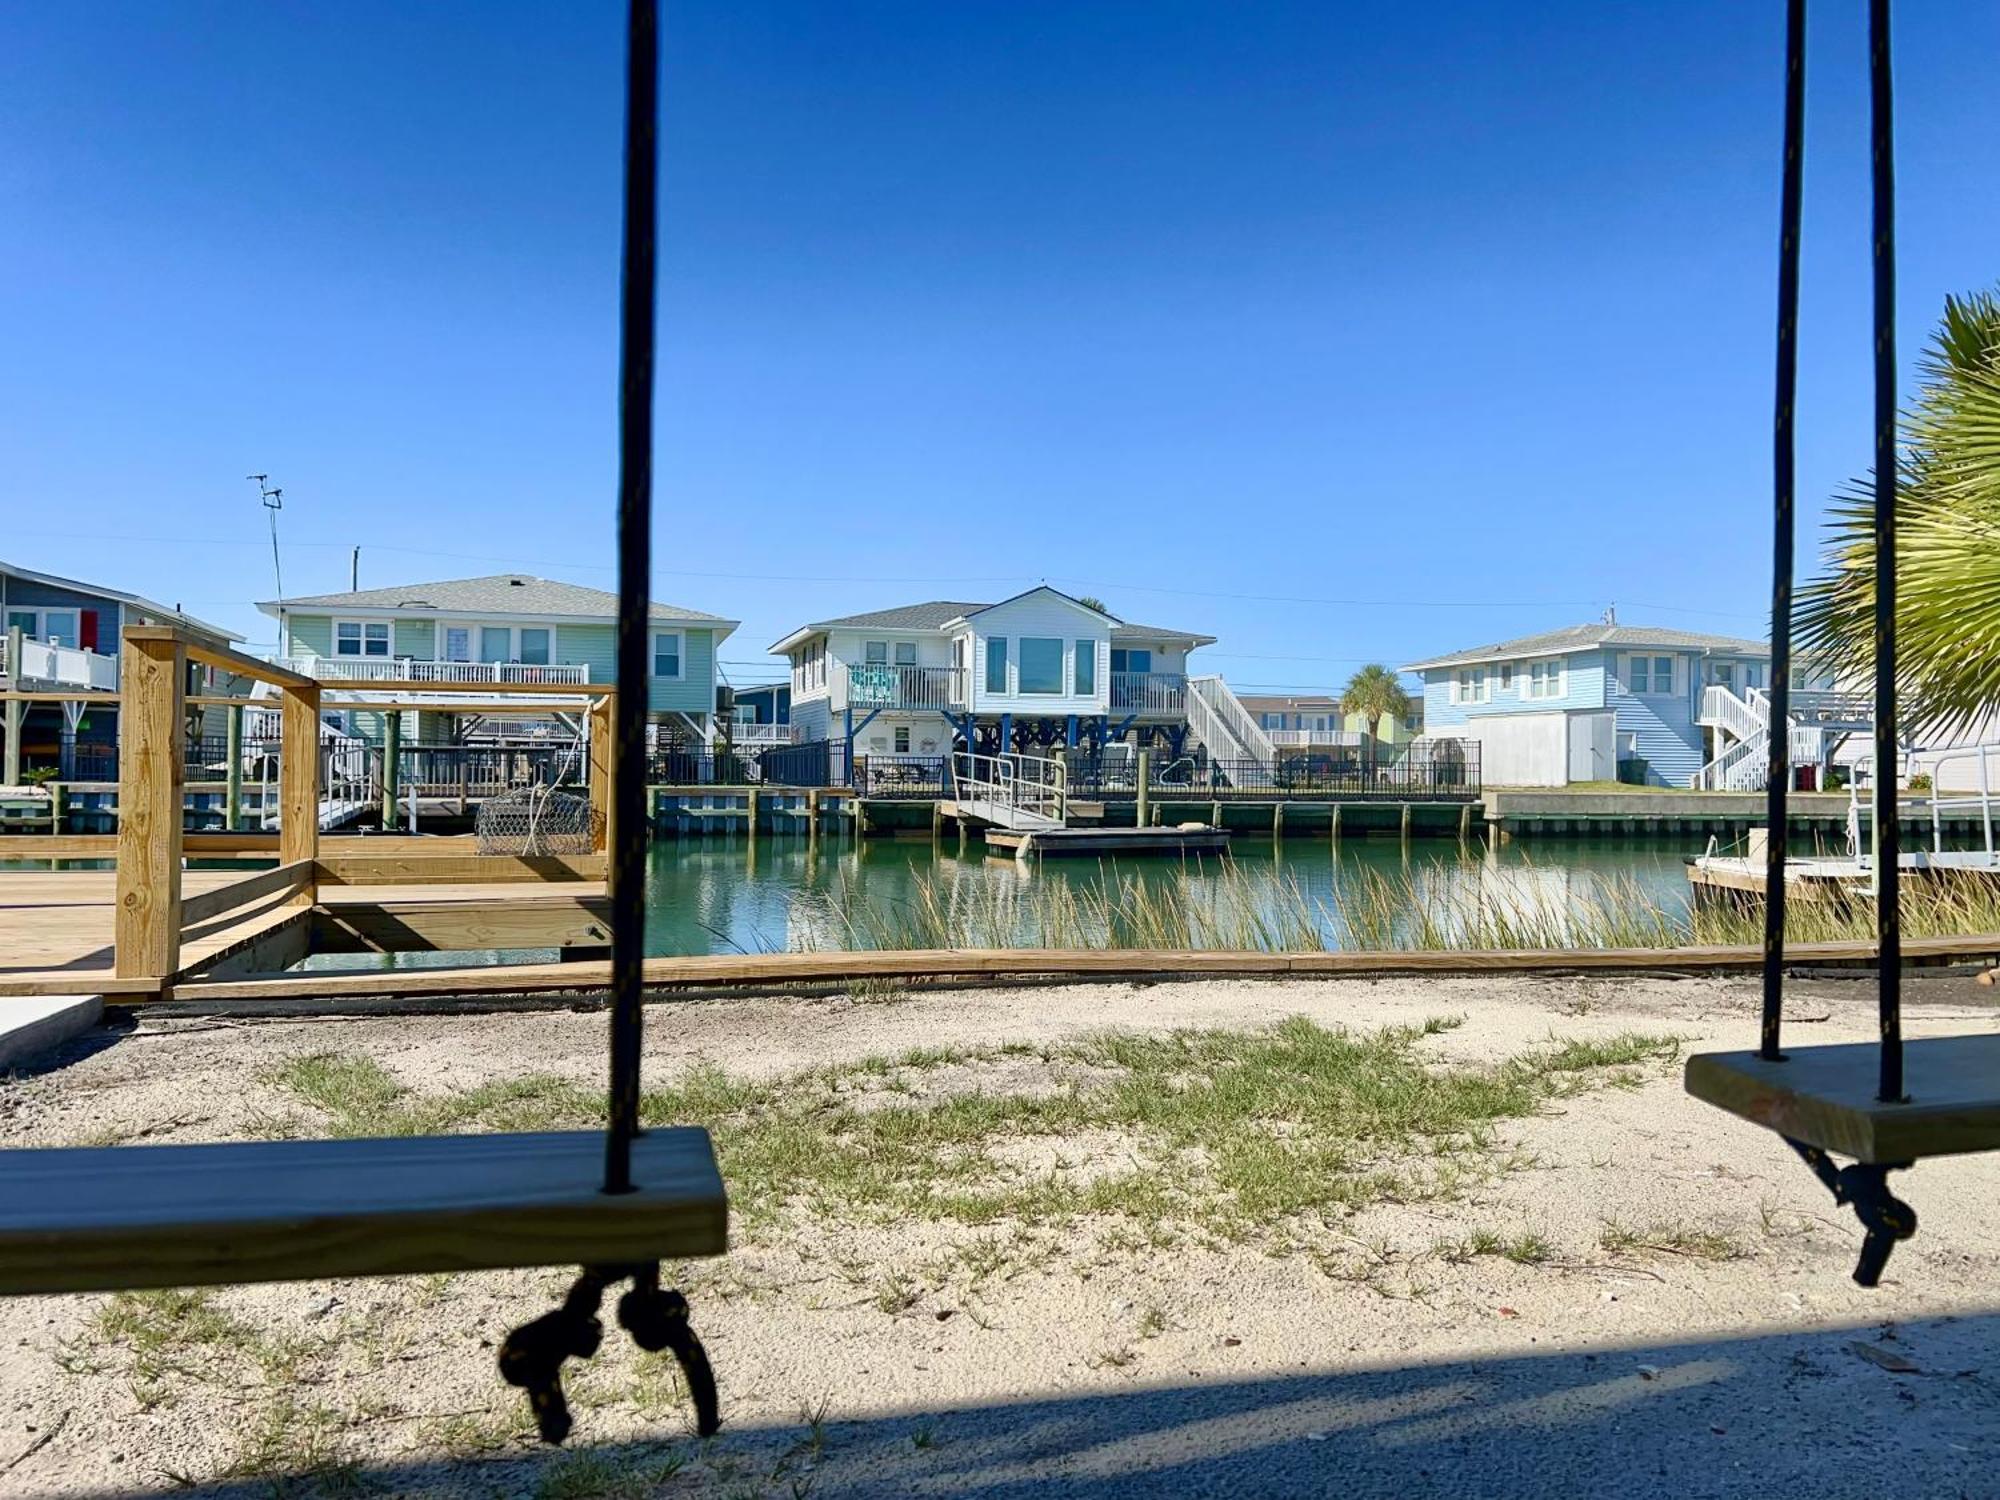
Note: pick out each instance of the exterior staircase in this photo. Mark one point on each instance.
(1817, 724)
(1227, 729)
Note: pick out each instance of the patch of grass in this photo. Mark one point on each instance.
(1667, 1238)
(1228, 1133)
(586, 1475)
(1525, 1248)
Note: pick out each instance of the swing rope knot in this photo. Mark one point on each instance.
(657, 1318)
(532, 1356)
(1864, 1186)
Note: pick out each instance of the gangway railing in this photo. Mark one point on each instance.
(1983, 757)
(1032, 787)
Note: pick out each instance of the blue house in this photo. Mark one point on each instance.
(1599, 702)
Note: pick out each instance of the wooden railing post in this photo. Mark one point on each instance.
(603, 751)
(146, 924)
(298, 782)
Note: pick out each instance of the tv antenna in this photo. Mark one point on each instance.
(274, 501)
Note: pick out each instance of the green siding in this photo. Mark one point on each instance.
(312, 635)
(416, 638)
(589, 645)
(694, 691)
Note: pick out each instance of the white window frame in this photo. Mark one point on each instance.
(679, 674)
(1506, 677)
(1652, 689)
(869, 650)
(900, 733)
(1470, 685)
(1546, 680)
(41, 614)
(897, 650)
(387, 627)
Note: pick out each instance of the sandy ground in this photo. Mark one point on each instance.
(1094, 1367)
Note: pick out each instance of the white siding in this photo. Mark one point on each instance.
(1044, 615)
(1519, 749)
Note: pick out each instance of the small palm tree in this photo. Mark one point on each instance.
(1091, 601)
(1375, 694)
(1947, 540)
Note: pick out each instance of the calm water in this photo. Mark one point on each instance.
(709, 896)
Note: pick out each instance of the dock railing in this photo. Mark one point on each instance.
(1023, 784)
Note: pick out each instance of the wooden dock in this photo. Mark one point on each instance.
(1195, 839)
(1725, 877)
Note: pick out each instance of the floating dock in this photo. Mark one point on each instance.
(1740, 877)
(1196, 840)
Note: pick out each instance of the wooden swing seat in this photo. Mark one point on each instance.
(126, 1217)
(1825, 1096)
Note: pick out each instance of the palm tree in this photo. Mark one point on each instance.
(1947, 540)
(1091, 601)
(1375, 694)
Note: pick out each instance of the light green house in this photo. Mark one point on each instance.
(507, 628)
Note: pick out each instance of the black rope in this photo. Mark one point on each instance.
(635, 567)
(1888, 831)
(1783, 471)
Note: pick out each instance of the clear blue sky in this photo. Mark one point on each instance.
(1219, 311)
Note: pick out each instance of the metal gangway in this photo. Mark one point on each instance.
(1985, 761)
(1026, 793)
(348, 787)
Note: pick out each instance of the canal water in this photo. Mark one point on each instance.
(712, 896)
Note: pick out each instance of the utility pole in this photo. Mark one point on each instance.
(354, 572)
(274, 501)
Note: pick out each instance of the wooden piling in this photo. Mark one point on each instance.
(146, 920)
(812, 817)
(1406, 822)
(1333, 827)
(392, 760)
(1145, 799)
(1277, 821)
(232, 800)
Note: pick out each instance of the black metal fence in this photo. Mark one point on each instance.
(1439, 772)
(915, 776)
(813, 763)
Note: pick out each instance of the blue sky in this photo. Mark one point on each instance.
(1340, 332)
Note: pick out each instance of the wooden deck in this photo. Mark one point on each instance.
(56, 928)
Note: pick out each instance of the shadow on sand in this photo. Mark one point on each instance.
(1779, 1413)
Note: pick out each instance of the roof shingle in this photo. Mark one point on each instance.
(1591, 637)
(495, 594)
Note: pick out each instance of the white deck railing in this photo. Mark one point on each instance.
(763, 736)
(71, 666)
(417, 669)
(1162, 693)
(1308, 739)
(877, 685)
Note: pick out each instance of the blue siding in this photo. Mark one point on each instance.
(1583, 687)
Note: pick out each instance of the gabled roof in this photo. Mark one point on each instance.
(140, 602)
(495, 594)
(937, 614)
(1592, 637)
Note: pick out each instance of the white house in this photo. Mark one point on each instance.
(1037, 670)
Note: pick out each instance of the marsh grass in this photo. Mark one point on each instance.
(1438, 908)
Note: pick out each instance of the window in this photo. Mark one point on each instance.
(1722, 674)
(1545, 679)
(667, 654)
(996, 664)
(906, 653)
(1507, 677)
(1753, 677)
(1086, 668)
(535, 646)
(1131, 661)
(1041, 665)
(361, 638)
(1652, 676)
(57, 627)
(902, 739)
(875, 653)
(1469, 685)
(496, 643)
